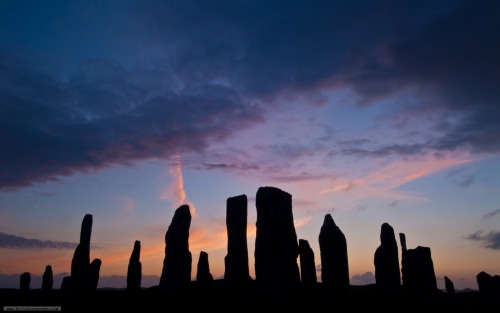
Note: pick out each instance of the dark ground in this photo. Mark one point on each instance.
(218, 296)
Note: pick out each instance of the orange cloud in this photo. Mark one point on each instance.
(175, 191)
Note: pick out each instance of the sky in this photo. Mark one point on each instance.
(371, 111)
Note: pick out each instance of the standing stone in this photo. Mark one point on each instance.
(203, 275)
(417, 268)
(450, 287)
(386, 260)
(25, 280)
(334, 261)
(134, 271)
(80, 263)
(276, 246)
(176, 272)
(489, 286)
(307, 265)
(47, 278)
(93, 276)
(236, 272)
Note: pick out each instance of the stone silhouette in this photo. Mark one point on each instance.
(236, 272)
(176, 273)
(134, 271)
(450, 287)
(203, 275)
(276, 246)
(334, 260)
(66, 284)
(386, 260)
(93, 278)
(489, 286)
(307, 264)
(47, 278)
(417, 270)
(25, 281)
(83, 275)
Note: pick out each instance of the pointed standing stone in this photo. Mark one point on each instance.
(236, 272)
(203, 275)
(276, 246)
(93, 278)
(47, 278)
(334, 261)
(176, 272)
(450, 287)
(386, 260)
(134, 271)
(307, 265)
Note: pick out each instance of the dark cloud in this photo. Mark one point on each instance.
(490, 214)
(8, 241)
(491, 240)
(466, 182)
(105, 115)
(216, 60)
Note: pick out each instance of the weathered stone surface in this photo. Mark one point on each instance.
(25, 281)
(134, 271)
(203, 274)
(334, 260)
(386, 260)
(47, 278)
(236, 272)
(176, 272)
(307, 264)
(276, 246)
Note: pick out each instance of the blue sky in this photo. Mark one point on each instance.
(373, 111)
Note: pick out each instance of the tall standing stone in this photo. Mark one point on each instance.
(386, 260)
(47, 278)
(307, 264)
(450, 287)
(334, 261)
(134, 271)
(80, 263)
(236, 272)
(276, 246)
(176, 273)
(203, 275)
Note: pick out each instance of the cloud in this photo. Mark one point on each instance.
(363, 279)
(490, 240)
(175, 191)
(490, 214)
(466, 182)
(16, 242)
(106, 115)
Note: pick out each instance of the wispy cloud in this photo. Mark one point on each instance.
(175, 191)
(490, 214)
(466, 182)
(490, 240)
(9, 241)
